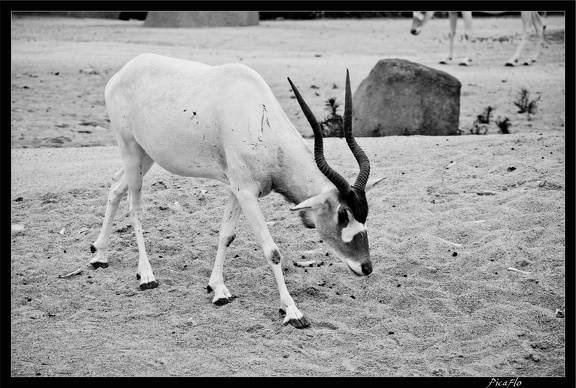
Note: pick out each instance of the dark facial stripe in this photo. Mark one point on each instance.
(358, 204)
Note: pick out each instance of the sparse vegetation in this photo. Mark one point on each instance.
(524, 103)
(480, 125)
(504, 124)
(332, 125)
(484, 118)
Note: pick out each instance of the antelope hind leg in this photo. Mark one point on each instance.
(227, 234)
(117, 191)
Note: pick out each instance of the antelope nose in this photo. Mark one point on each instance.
(367, 268)
(414, 31)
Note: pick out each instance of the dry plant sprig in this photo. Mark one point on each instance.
(524, 103)
(480, 125)
(484, 118)
(504, 124)
(333, 124)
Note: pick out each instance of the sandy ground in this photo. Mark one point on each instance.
(453, 214)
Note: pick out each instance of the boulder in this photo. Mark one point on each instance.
(400, 97)
(191, 19)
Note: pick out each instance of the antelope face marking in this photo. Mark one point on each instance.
(347, 237)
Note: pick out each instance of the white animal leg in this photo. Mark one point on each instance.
(453, 20)
(133, 159)
(117, 191)
(227, 233)
(538, 24)
(526, 22)
(469, 36)
(253, 213)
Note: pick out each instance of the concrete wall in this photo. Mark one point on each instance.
(192, 19)
(76, 14)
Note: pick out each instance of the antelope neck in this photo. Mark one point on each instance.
(302, 181)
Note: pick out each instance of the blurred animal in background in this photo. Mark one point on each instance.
(529, 19)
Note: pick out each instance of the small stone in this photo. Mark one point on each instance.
(347, 364)
(559, 313)
(17, 229)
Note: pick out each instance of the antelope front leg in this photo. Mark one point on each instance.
(251, 208)
(227, 234)
(453, 20)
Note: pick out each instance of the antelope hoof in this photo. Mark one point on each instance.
(295, 318)
(298, 323)
(221, 301)
(221, 295)
(149, 285)
(529, 62)
(147, 281)
(99, 264)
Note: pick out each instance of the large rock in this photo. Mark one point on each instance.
(191, 19)
(400, 97)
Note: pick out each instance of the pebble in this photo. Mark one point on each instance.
(347, 364)
(17, 229)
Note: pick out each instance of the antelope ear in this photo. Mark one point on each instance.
(313, 202)
(373, 182)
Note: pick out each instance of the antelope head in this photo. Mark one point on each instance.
(339, 214)
(419, 19)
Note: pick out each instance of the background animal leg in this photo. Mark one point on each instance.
(469, 37)
(227, 233)
(251, 208)
(526, 22)
(538, 23)
(453, 21)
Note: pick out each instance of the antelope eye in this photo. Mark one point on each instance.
(343, 217)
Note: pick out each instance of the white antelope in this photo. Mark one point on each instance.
(529, 18)
(224, 123)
